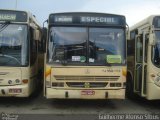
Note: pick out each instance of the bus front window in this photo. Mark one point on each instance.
(67, 44)
(107, 46)
(13, 45)
(156, 50)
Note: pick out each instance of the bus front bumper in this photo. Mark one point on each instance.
(85, 94)
(14, 91)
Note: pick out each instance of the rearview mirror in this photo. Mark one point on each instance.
(152, 39)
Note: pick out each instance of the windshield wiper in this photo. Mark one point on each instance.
(4, 25)
(9, 56)
(64, 61)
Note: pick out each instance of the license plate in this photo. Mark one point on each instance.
(87, 92)
(15, 90)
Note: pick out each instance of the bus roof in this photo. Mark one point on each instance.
(148, 20)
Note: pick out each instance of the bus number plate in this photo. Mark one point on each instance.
(87, 92)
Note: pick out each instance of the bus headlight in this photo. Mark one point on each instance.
(57, 84)
(17, 81)
(157, 81)
(9, 81)
(115, 85)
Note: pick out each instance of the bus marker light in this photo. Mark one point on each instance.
(124, 72)
(25, 81)
(48, 72)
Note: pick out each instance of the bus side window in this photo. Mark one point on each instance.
(146, 47)
(130, 47)
(44, 38)
(131, 44)
(42, 41)
(139, 49)
(33, 48)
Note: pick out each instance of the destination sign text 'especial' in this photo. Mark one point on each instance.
(98, 20)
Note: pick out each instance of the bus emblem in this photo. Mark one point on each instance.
(87, 85)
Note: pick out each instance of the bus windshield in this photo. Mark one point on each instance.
(83, 45)
(156, 50)
(13, 45)
(106, 45)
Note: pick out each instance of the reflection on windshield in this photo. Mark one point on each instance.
(156, 50)
(13, 45)
(105, 44)
(67, 44)
(77, 45)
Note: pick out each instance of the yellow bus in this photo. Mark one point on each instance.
(86, 56)
(19, 36)
(143, 76)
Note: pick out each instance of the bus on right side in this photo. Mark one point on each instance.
(143, 75)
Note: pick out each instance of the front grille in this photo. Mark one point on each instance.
(86, 85)
(89, 78)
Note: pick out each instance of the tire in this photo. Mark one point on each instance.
(129, 87)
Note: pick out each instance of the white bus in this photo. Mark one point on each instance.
(19, 36)
(86, 56)
(143, 77)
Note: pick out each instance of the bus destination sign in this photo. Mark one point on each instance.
(10, 17)
(16, 16)
(86, 19)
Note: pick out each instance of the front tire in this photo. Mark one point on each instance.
(129, 87)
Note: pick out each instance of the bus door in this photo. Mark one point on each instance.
(141, 45)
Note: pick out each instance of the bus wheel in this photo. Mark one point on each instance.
(129, 87)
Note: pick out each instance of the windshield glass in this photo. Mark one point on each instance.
(156, 50)
(13, 45)
(83, 45)
(107, 46)
(67, 45)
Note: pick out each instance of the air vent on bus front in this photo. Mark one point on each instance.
(88, 78)
(88, 85)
